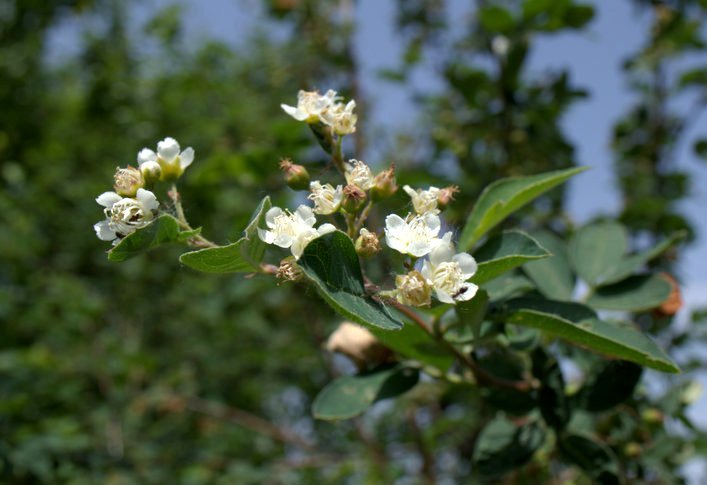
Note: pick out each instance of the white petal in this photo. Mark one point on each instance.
(419, 248)
(395, 225)
(444, 297)
(410, 191)
(186, 157)
(443, 250)
(107, 199)
(467, 264)
(283, 240)
(469, 293)
(147, 199)
(326, 229)
(266, 236)
(146, 155)
(270, 216)
(103, 231)
(433, 223)
(168, 149)
(306, 215)
(426, 272)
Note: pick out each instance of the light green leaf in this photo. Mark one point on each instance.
(502, 446)
(165, 229)
(349, 396)
(505, 196)
(243, 256)
(595, 250)
(631, 264)
(507, 285)
(553, 276)
(504, 252)
(331, 263)
(634, 294)
(579, 324)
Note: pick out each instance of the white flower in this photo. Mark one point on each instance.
(171, 160)
(124, 215)
(326, 198)
(412, 289)
(359, 174)
(341, 118)
(416, 237)
(447, 272)
(310, 105)
(293, 231)
(423, 201)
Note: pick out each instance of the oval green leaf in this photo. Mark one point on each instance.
(634, 294)
(502, 446)
(553, 275)
(504, 252)
(595, 250)
(165, 229)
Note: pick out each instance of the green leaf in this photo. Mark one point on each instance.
(589, 454)
(496, 19)
(165, 229)
(414, 343)
(470, 315)
(507, 285)
(503, 363)
(634, 294)
(331, 263)
(578, 324)
(552, 400)
(505, 196)
(349, 396)
(243, 256)
(595, 250)
(609, 386)
(503, 446)
(631, 264)
(504, 252)
(553, 276)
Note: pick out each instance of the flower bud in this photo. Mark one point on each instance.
(151, 172)
(296, 176)
(289, 270)
(446, 195)
(652, 416)
(412, 289)
(367, 243)
(384, 184)
(359, 345)
(354, 198)
(359, 174)
(127, 181)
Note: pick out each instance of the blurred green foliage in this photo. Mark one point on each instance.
(146, 372)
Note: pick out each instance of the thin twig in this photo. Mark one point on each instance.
(198, 240)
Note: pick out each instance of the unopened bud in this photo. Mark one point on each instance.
(359, 345)
(127, 181)
(446, 195)
(412, 289)
(289, 270)
(151, 172)
(296, 176)
(354, 198)
(384, 184)
(652, 416)
(367, 243)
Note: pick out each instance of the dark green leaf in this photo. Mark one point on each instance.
(596, 459)
(505, 196)
(243, 256)
(611, 385)
(165, 229)
(331, 263)
(414, 343)
(349, 396)
(631, 264)
(579, 325)
(633, 294)
(502, 362)
(552, 400)
(507, 285)
(496, 19)
(503, 446)
(595, 250)
(470, 315)
(504, 252)
(553, 276)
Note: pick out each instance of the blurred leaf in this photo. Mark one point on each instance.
(631, 264)
(502, 446)
(496, 19)
(594, 458)
(331, 263)
(596, 249)
(470, 315)
(165, 229)
(243, 256)
(553, 275)
(579, 325)
(507, 285)
(504, 363)
(610, 385)
(505, 196)
(552, 400)
(349, 396)
(633, 294)
(504, 252)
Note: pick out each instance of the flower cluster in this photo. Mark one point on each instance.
(327, 109)
(132, 205)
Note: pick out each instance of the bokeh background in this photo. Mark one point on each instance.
(146, 372)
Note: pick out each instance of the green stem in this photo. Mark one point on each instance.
(197, 241)
(363, 216)
(337, 157)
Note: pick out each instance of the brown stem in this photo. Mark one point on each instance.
(481, 375)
